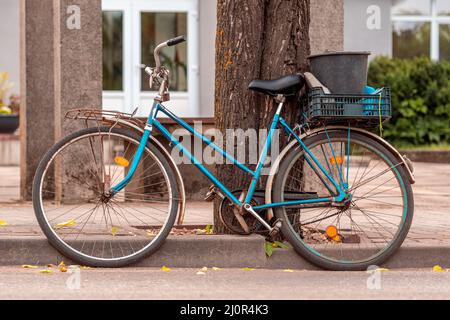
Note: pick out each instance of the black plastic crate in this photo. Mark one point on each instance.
(365, 109)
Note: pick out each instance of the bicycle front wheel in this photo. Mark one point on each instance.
(363, 230)
(78, 215)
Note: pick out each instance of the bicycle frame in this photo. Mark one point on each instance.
(256, 174)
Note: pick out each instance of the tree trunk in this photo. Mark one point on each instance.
(256, 39)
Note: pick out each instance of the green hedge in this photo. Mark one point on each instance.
(420, 99)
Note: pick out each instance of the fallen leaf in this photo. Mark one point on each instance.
(247, 269)
(150, 233)
(114, 231)
(121, 161)
(165, 269)
(209, 229)
(3, 223)
(67, 224)
(288, 270)
(337, 160)
(28, 266)
(216, 269)
(200, 232)
(62, 267)
(85, 268)
(51, 266)
(381, 270)
(204, 269)
(200, 273)
(268, 248)
(438, 269)
(281, 245)
(336, 238)
(45, 271)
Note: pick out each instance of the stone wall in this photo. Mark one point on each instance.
(326, 30)
(61, 69)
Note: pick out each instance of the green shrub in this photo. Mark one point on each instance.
(420, 99)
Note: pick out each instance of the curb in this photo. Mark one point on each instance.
(427, 156)
(216, 251)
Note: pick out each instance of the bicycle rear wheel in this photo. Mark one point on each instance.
(361, 231)
(78, 215)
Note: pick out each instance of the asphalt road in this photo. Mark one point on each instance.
(128, 283)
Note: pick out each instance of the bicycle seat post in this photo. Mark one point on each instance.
(280, 99)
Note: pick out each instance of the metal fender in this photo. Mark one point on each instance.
(180, 183)
(274, 169)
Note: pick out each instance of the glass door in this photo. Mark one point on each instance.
(145, 24)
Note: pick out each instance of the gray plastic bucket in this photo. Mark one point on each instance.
(341, 72)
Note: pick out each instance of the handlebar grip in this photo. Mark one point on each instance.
(175, 41)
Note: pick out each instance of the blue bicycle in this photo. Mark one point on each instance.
(109, 195)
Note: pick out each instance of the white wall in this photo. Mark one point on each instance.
(10, 40)
(208, 22)
(358, 37)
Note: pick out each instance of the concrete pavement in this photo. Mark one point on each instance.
(226, 284)
(431, 223)
(428, 242)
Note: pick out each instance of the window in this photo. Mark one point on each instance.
(411, 39)
(411, 7)
(131, 31)
(444, 42)
(421, 28)
(112, 50)
(159, 27)
(443, 7)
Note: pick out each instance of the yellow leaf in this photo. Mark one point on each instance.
(216, 269)
(3, 223)
(336, 238)
(438, 269)
(150, 233)
(85, 268)
(62, 267)
(67, 224)
(381, 270)
(336, 160)
(27, 266)
(121, 161)
(114, 231)
(200, 232)
(165, 269)
(200, 273)
(204, 269)
(45, 271)
(288, 270)
(209, 229)
(247, 269)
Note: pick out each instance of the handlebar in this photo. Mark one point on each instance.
(175, 41)
(169, 43)
(160, 73)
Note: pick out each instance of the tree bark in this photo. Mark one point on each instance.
(256, 39)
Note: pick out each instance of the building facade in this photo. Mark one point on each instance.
(132, 28)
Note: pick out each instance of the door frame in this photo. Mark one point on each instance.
(131, 95)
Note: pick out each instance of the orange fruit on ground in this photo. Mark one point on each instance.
(331, 231)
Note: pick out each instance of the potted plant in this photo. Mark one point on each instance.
(9, 114)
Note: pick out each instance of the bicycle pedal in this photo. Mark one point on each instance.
(276, 229)
(211, 194)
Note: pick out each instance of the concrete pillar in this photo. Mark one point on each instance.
(326, 29)
(61, 69)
